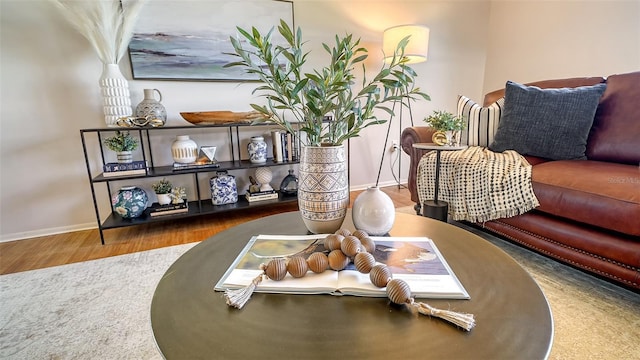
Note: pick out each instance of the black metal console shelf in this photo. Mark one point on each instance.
(197, 207)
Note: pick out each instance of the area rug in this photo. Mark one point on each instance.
(100, 309)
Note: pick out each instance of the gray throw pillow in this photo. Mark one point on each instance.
(548, 123)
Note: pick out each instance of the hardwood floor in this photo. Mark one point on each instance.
(46, 251)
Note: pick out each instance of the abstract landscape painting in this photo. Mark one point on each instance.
(188, 39)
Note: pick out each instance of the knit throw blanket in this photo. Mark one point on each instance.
(479, 184)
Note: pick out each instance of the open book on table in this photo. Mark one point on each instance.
(413, 259)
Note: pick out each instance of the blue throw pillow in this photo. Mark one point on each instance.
(548, 123)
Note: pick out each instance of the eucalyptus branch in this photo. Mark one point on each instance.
(309, 97)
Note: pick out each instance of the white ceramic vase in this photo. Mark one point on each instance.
(184, 150)
(115, 94)
(323, 188)
(373, 212)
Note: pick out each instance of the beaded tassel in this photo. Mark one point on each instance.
(463, 320)
(238, 297)
(399, 292)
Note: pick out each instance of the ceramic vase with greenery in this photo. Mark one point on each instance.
(300, 98)
(123, 144)
(163, 189)
(447, 127)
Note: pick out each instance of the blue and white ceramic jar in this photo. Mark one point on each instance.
(257, 150)
(223, 189)
(129, 202)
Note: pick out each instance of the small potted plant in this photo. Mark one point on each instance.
(447, 127)
(163, 189)
(123, 144)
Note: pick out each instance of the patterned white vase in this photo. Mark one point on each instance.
(184, 150)
(323, 188)
(150, 107)
(115, 94)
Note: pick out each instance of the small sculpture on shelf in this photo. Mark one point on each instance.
(123, 144)
(178, 195)
(264, 177)
(289, 185)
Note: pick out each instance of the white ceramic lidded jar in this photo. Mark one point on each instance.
(184, 150)
(257, 149)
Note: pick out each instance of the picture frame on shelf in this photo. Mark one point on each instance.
(172, 41)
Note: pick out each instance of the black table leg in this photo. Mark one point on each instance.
(436, 209)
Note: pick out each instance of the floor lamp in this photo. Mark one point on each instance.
(416, 52)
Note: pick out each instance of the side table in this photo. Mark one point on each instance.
(437, 209)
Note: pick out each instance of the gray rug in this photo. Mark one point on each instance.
(91, 310)
(100, 309)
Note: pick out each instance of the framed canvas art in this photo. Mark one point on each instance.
(188, 40)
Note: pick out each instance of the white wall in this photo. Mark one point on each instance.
(539, 40)
(49, 90)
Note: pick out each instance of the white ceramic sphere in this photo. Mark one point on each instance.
(373, 212)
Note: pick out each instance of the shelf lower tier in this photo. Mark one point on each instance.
(196, 208)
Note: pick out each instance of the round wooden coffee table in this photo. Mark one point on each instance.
(191, 321)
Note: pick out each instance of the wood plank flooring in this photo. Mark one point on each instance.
(46, 251)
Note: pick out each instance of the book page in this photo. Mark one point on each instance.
(415, 260)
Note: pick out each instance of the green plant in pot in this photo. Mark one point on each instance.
(163, 189)
(123, 144)
(297, 97)
(447, 127)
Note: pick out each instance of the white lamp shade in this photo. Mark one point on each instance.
(417, 48)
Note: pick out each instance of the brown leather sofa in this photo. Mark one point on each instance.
(589, 213)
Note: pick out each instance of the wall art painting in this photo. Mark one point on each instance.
(188, 39)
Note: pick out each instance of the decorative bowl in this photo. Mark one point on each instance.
(221, 117)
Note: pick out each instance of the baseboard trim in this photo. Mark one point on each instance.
(46, 232)
(403, 182)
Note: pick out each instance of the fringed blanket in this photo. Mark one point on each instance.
(479, 185)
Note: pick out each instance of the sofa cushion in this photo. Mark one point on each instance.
(549, 123)
(615, 135)
(481, 123)
(602, 194)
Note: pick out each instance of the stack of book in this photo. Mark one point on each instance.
(125, 169)
(261, 195)
(169, 209)
(285, 147)
(194, 165)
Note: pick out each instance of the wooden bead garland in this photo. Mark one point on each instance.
(297, 266)
(318, 262)
(344, 247)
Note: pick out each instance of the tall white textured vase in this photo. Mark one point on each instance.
(323, 188)
(115, 93)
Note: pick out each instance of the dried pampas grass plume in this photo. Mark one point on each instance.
(107, 24)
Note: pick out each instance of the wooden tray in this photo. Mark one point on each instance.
(221, 117)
